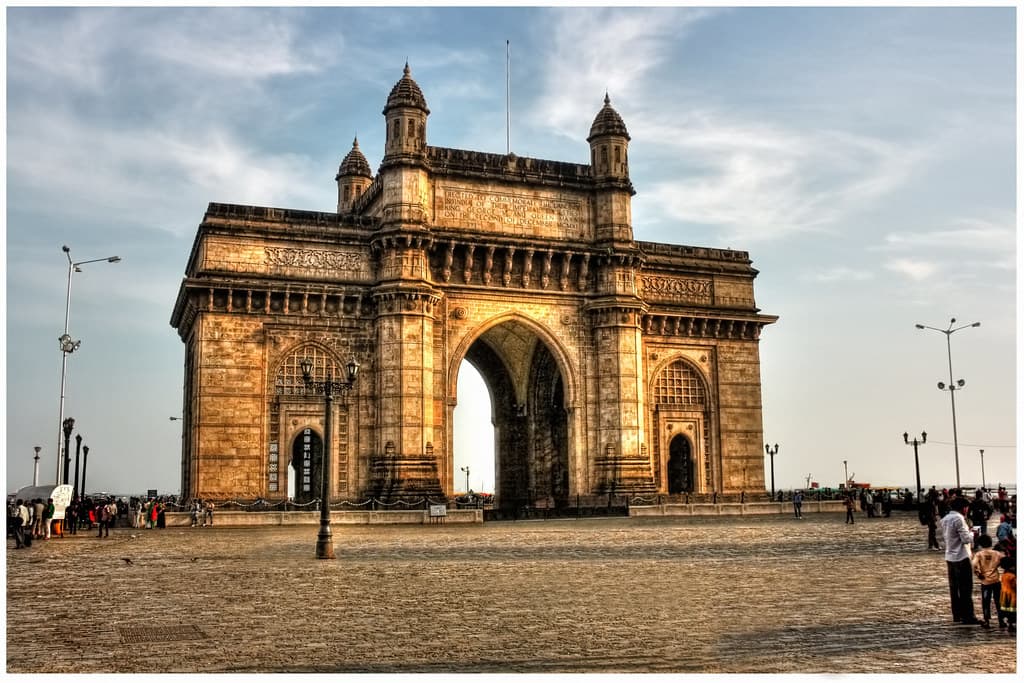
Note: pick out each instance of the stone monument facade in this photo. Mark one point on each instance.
(614, 365)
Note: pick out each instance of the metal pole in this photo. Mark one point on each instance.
(917, 472)
(846, 476)
(324, 544)
(35, 469)
(952, 401)
(64, 362)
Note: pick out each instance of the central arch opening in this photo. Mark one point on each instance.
(473, 442)
(530, 434)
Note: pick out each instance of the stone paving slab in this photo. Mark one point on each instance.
(764, 594)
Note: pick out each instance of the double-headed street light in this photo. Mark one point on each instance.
(952, 388)
(917, 467)
(466, 470)
(771, 454)
(328, 387)
(69, 345)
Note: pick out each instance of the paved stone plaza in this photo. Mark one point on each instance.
(713, 595)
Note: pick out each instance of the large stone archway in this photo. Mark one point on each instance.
(526, 268)
(529, 414)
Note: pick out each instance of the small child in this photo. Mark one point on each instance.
(986, 568)
(1008, 595)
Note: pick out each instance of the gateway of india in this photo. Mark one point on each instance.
(614, 366)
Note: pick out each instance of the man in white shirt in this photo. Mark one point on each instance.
(959, 539)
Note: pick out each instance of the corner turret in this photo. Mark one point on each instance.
(405, 116)
(354, 176)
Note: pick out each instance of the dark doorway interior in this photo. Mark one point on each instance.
(307, 457)
(680, 465)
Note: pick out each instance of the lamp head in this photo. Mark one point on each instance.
(960, 382)
(924, 436)
(307, 368)
(776, 448)
(978, 324)
(114, 259)
(767, 448)
(66, 249)
(942, 385)
(952, 321)
(37, 449)
(78, 439)
(69, 426)
(906, 437)
(353, 371)
(85, 449)
(919, 326)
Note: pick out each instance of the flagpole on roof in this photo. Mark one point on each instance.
(508, 102)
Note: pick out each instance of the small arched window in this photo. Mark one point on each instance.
(289, 381)
(679, 384)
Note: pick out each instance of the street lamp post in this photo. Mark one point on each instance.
(917, 465)
(78, 450)
(67, 344)
(771, 454)
(68, 426)
(466, 470)
(35, 469)
(982, 451)
(328, 387)
(952, 388)
(846, 476)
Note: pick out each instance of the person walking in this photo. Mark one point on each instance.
(850, 507)
(958, 539)
(798, 503)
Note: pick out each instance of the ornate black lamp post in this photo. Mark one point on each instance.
(952, 388)
(328, 387)
(466, 470)
(771, 455)
(69, 426)
(85, 463)
(78, 450)
(917, 466)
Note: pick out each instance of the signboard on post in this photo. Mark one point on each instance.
(151, 493)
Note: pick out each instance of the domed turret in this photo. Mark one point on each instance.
(609, 144)
(354, 176)
(405, 115)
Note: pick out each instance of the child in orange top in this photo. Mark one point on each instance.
(1008, 595)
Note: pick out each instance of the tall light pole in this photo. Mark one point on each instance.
(327, 387)
(917, 466)
(771, 454)
(35, 470)
(952, 388)
(466, 470)
(982, 451)
(846, 476)
(67, 344)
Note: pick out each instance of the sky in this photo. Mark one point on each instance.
(864, 157)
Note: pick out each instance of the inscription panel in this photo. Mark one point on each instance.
(255, 258)
(533, 215)
(676, 289)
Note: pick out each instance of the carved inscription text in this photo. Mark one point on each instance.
(519, 214)
(676, 289)
(314, 258)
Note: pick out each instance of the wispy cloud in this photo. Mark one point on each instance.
(837, 274)
(916, 270)
(604, 49)
(997, 234)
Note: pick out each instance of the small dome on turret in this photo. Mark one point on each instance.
(608, 122)
(354, 163)
(406, 93)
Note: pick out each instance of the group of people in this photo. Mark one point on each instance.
(28, 520)
(202, 511)
(970, 553)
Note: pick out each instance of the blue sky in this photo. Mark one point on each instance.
(866, 158)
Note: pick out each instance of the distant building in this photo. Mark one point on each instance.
(614, 365)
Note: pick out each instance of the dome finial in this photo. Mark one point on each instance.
(406, 71)
(607, 100)
(355, 142)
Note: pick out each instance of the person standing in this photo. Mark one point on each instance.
(798, 503)
(986, 567)
(38, 528)
(869, 503)
(1008, 594)
(850, 507)
(930, 517)
(25, 528)
(958, 539)
(980, 511)
(208, 513)
(48, 511)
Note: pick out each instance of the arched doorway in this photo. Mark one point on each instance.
(306, 462)
(680, 465)
(528, 412)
